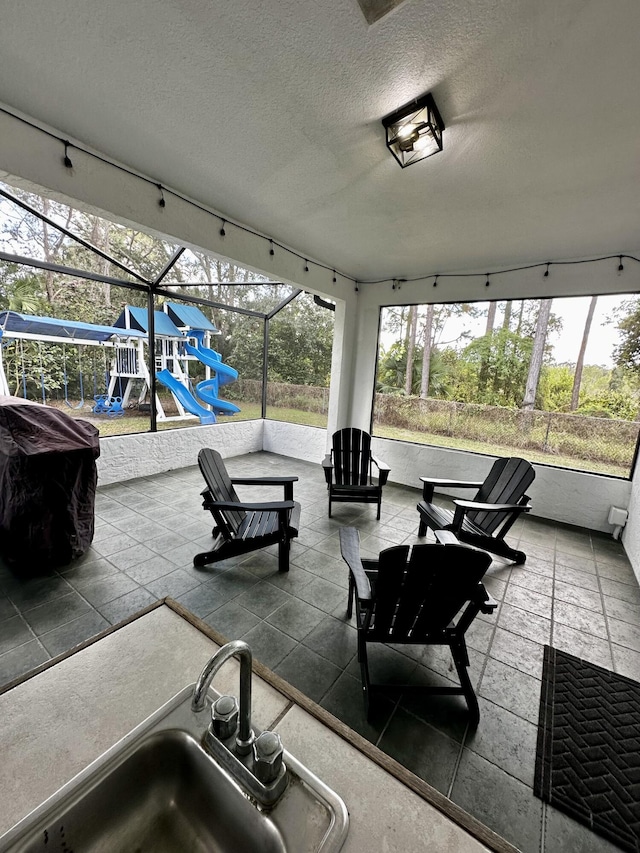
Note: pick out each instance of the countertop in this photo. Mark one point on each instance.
(55, 722)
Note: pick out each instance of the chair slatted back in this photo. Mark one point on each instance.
(506, 483)
(417, 598)
(221, 488)
(351, 457)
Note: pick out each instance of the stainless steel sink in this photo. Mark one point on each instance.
(159, 790)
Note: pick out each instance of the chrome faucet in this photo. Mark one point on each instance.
(256, 763)
(236, 647)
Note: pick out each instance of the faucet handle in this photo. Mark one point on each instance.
(224, 717)
(267, 755)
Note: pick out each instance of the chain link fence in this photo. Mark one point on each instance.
(575, 441)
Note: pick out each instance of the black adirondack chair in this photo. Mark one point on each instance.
(241, 527)
(486, 519)
(427, 595)
(348, 469)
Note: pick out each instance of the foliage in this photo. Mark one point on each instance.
(301, 334)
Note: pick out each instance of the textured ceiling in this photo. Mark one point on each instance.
(269, 111)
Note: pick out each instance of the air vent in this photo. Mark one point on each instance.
(373, 10)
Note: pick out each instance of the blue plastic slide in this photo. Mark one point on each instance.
(185, 397)
(208, 389)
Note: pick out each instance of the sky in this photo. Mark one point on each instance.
(566, 343)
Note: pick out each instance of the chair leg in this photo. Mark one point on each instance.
(379, 505)
(422, 527)
(351, 596)
(329, 504)
(461, 661)
(284, 547)
(366, 683)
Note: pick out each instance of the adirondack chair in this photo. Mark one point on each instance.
(425, 595)
(348, 469)
(240, 526)
(485, 520)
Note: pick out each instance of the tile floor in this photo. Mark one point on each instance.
(576, 591)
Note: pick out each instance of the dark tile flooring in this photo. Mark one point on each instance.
(576, 591)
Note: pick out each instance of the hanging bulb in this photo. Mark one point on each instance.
(67, 160)
(546, 272)
(334, 277)
(306, 265)
(435, 281)
(271, 250)
(487, 282)
(222, 231)
(161, 202)
(620, 266)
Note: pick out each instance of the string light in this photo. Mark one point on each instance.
(222, 231)
(67, 160)
(69, 165)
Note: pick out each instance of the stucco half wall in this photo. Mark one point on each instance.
(572, 497)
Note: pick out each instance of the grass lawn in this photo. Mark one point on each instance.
(501, 450)
(132, 422)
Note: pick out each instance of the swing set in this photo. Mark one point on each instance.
(29, 366)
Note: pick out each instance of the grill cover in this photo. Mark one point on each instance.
(48, 480)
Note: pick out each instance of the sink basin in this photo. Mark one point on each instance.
(159, 791)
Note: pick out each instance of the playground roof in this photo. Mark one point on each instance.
(189, 316)
(52, 327)
(138, 320)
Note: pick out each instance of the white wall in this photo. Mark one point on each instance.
(568, 496)
(125, 457)
(631, 534)
(572, 497)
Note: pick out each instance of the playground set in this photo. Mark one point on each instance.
(182, 336)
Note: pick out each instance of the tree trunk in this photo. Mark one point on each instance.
(491, 317)
(537, 354)
(426, 353)
(483, 373)
(506, 322)
(577, 377)
(411, 345)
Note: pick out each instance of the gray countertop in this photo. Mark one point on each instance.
(59, 720)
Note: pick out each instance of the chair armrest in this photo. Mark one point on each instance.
(383, 470)
(327, 464)
(447, 537)
(459, 484)
(429, 484)
(263, 481)
(287, 482)
(481, 507)
(350, 550)
(463, 507)
(236, 506)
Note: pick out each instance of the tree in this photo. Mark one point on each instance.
(427, 333)
(411, 345)
(537, 354)
(577, 377)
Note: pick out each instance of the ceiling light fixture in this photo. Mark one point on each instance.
(414, 132)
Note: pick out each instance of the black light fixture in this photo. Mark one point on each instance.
(414, 132)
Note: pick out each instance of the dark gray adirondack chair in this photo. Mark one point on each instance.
(427, 595)
(485, 520)
(241, 527)
(348, 469)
